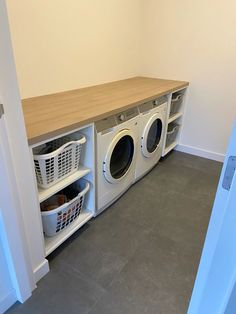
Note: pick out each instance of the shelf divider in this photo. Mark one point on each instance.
(175, 117)
(46, 193)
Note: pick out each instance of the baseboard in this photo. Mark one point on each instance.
(8, 301)
(41, 270)
(200, 152)
(11, 298)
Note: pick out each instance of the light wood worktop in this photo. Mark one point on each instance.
(52, 115)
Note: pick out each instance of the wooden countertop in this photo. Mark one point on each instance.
(51, 115)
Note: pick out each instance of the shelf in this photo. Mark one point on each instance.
(175, 117)
(46, 193)
(170, 147)
(51, 243)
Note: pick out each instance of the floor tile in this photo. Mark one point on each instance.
(141, 254)
(62, 291)
(98, 265)
(183, 220)
(208, 166)
(140, 206)
(203, 188)
(157, 279)
(103, 249)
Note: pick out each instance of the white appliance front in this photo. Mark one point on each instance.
(116, 156)
(151, 135)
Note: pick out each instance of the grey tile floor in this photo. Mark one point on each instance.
(139, 256)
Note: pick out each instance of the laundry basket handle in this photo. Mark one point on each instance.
(173, 130)
(82, 193)
(81, 141)
(85, 190)
(178, 97)
(78, 142)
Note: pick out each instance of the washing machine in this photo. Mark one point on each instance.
(116, 149)
(153, 115)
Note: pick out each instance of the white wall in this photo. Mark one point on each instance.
(196, 41)
(61, 45)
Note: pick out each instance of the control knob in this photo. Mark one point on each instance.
(121, 117)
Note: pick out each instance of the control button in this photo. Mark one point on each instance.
(121, 117)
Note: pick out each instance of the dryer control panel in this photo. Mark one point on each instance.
(126, 115)
(160, 101)
(153, 104)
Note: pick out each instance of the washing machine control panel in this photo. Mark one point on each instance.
(126, 115)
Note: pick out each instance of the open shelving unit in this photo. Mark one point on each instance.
(86, 171)
(174, 120)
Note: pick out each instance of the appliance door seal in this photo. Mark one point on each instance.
(152, 135)
(119, 157)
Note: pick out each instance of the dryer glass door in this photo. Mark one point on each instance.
(121, 157)
(154, 135)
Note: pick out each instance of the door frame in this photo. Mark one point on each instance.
(24, 244)
(13, 234)
(211, 269)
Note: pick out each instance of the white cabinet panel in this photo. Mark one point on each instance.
(7, 292)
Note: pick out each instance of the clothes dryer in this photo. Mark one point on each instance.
(151, 135)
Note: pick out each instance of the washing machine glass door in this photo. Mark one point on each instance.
(119, 157)
(152, 135)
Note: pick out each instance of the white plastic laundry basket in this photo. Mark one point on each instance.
(176, 103)
(58, 219)
(172, 133)
(62, 160)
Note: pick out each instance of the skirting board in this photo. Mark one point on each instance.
(41, 270)
(8, 301)
(200, 152)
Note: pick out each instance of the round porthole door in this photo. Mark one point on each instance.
(119, 157)
(152, 134)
